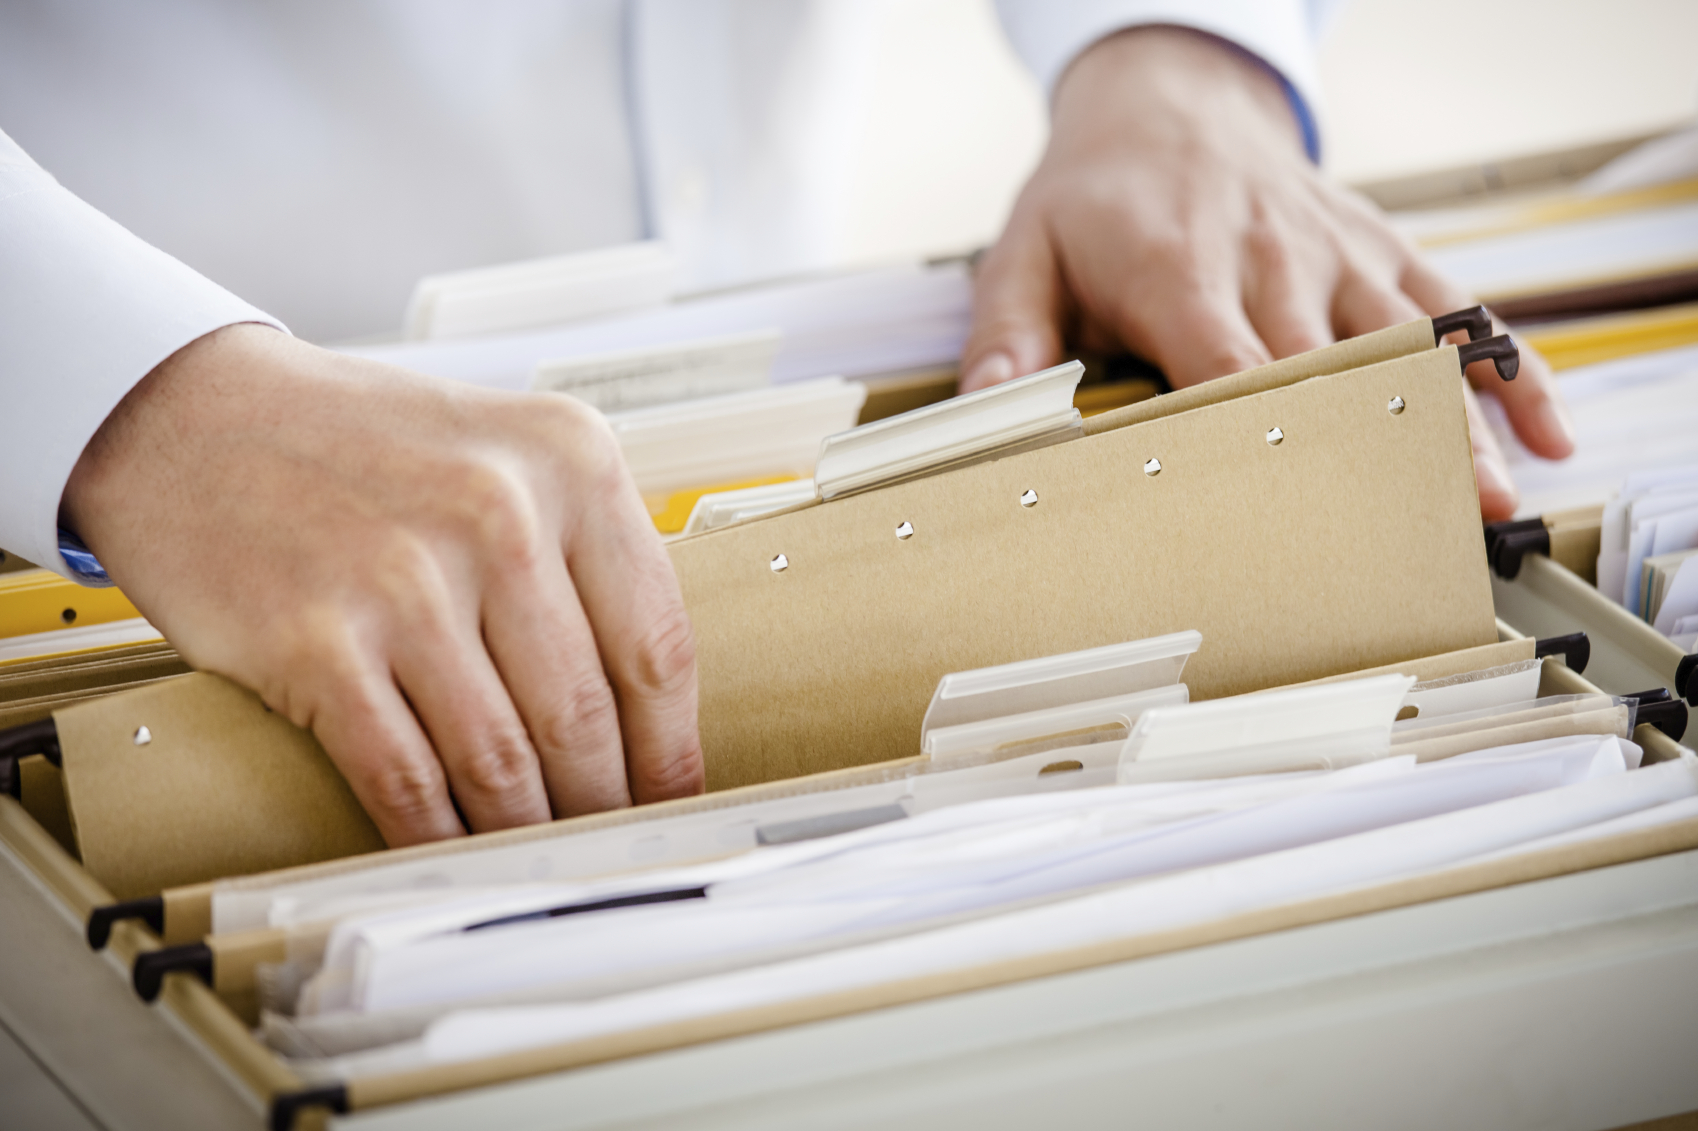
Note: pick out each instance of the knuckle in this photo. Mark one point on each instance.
(665, 658)
(304, 659)
(499, 768)
(406, 577)
(406, 790)
(681, 774)
(498, 512)
(586, 717)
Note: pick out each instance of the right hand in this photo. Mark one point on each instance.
(1175, 215)
(458, 591)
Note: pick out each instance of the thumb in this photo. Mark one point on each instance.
(1017, 309)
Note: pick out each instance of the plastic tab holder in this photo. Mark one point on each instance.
(1304, 728)
(722, 508)
(1031, 732)
(1050, 682)
(1015, 416)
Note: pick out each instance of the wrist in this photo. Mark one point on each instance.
(155, 417)
(1187, 84)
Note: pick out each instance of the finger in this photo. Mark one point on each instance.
(1284, 298)
(1498, 494)
(543, 647)
(1532, 401)
(636, 611)
(1017, 309)
(441, 665)
(373, 737)
(1361, 305)
(1192, 335)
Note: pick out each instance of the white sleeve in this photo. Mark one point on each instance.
(86, 311)
(1050, 34)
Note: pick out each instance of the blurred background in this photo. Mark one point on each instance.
(952, 123)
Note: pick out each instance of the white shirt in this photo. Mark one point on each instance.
(316, 157)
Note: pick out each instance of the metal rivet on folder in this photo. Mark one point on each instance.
(1275, 435)
(1152, 466)
(904, 530)
(780, 564)
(1395, 405)
(142, 737)
(1029, 498)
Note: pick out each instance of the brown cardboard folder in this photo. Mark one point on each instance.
(1347, 539)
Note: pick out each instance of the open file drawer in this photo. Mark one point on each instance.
(1542, 585)
(1562, 1001)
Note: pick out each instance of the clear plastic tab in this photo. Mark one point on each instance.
(1058, 681)
(722, 508)
(1303, 728)
(1032, 732)
(1022, 413)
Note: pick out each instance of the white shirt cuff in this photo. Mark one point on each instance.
(86, 311)
(1049, 34)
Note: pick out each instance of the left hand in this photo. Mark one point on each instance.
(1175, 214)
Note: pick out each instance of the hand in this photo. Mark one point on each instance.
(454, 589)
(1174, 214)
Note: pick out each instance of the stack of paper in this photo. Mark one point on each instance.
(1632, 413)
(891, 320)
(953, 865)
(915, 899)
(639, 378)
(541, 292)
(1646, 558)
(1191, 896)
(677, 452)
(1574, 247)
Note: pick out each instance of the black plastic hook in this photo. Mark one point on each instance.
(20, 742)
(149, 909)
(152, 966)
(1502, 350)
(1575, 649)
(1474, 319)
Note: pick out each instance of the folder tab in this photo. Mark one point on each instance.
(1029, 412)
(1317, 727)
(1051, 682)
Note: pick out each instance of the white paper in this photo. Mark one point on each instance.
(911, 880)
(889, 320)
(652, 375)
(720, 440)
(59, 641)
(1680, 599)
(541, 292)
(1666, 814)
(1579, 252)
(1319, 726)
(1162, 903)
(1629, 414)
(1475, 691)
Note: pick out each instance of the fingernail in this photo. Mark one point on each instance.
(991, 369)
(1492, 481)
(1554, 421)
